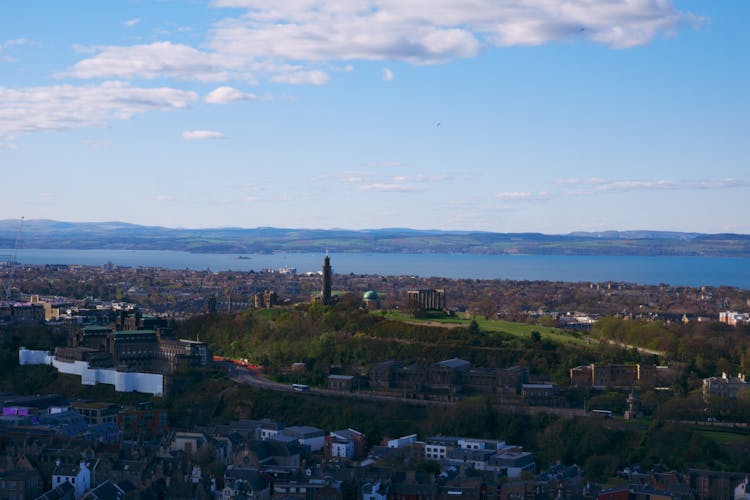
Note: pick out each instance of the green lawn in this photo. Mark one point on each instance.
(522, 330)
(723, 436)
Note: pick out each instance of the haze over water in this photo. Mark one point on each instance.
(684, 271)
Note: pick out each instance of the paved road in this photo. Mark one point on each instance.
(253, 378)
(248, 377)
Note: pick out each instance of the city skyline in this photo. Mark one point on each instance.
(498, 116)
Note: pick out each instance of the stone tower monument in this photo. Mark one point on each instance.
(327, 280)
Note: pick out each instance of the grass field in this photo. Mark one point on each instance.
(522, 330)
(723, 436)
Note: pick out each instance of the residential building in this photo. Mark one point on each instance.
(614, 375)
(725, 386)
(19, 484)
(343, 383)
(733, 318)
(309, 436)
(142, 422)
(78, 475)
(246, 483)
(446, 380)
(108, 490)
(541, 395)
(346, 443)
(95, 413)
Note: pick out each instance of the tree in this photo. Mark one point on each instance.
(474, 327)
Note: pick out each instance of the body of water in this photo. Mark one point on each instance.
(687, 271)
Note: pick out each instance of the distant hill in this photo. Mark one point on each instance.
(120, 235)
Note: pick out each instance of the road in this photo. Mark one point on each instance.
(253, 378)
(249, 377)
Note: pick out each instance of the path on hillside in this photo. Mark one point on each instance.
(642, 350)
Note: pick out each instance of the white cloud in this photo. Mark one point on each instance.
(594, 186)
(11, 43)
(312, 77)
(422, 178)
(164, 198)
(523, 196)
(200, 135)
(387, 75)
(224, 95)
(376, 181)
(155, 60)
(357, 179)
(386, 187)
(291, 41)
(64, 107)
(407, 30)
(131, 22)
(574, 181)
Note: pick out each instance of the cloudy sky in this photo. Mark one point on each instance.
(500, 115)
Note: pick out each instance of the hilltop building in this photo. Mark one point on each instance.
(371, 299)
(429, 299)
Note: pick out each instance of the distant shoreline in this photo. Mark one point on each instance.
(648, 270)
(40, 234)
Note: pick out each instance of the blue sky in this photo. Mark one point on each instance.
(496, 115)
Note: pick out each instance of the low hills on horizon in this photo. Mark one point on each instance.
(49, 234)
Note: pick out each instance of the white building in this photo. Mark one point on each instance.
(79, 476)
(741, 491)
(310, 436)
(734, 318)
(402, 441)
(149, 383)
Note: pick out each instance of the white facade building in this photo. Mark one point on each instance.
(402, 441)
(149, 383)
(79, 476)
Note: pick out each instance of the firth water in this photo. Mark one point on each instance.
(685, 271)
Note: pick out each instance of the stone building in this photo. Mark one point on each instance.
(725, 386)
(613, 375)
(445, 380)
(429, 299)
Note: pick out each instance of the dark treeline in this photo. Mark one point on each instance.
(708, 348)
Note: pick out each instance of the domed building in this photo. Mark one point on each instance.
(371, 299)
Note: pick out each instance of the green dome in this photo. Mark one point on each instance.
(370, 295)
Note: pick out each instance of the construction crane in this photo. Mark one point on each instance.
(12, 262)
